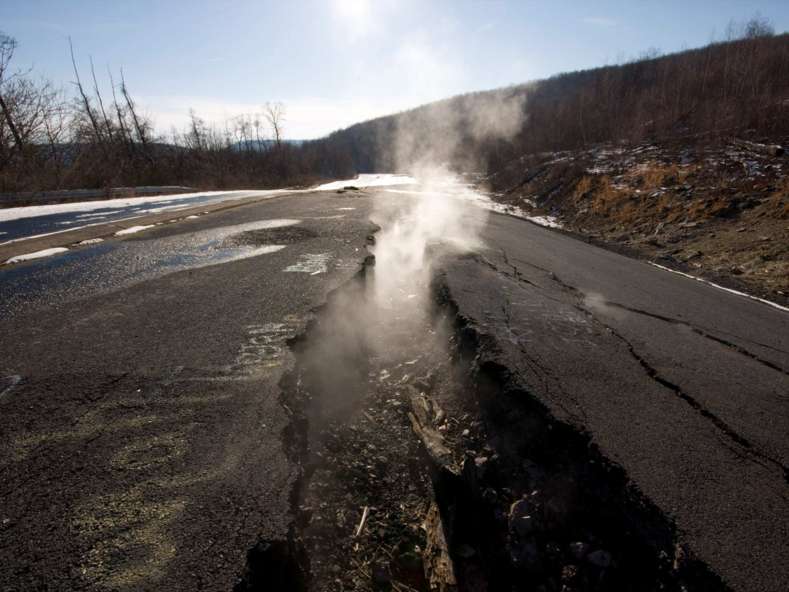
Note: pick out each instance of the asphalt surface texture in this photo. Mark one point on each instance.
(682, 385)
(141, 443)
(142, 428)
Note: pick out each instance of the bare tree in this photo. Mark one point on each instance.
(86, 103)
(275, 115)
(139, 124)
(7, 47)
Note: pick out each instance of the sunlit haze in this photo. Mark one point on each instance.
(336, 63)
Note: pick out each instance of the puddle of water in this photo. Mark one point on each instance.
(109, 266)
(211, 254)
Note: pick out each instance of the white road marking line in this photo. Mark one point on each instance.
(703, 281)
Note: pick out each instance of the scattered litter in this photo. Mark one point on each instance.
(361, 524)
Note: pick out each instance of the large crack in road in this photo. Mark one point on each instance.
(423, 469)
(455, 417)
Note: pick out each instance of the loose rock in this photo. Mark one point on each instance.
(579, 550)
(600, 558)
(381, 573)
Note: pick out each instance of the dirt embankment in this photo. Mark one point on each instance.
(719, 212)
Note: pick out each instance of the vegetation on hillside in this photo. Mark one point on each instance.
(57, 138)
(735, 86)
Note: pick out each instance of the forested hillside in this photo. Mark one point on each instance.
(53, 137)
(732, 87)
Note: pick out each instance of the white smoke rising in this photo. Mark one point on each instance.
(427, 140)
(382, 320)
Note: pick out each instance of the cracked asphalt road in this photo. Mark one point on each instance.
(141, 446)
(141, 428)
(681, 385)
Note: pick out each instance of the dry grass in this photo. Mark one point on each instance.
(606, 197)
(721, 206)
(654, 178)
(633, 210)
(698, 209)
(683, 172)
(778, 203)
(582, 188)
(722, 184)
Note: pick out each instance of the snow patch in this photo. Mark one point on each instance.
(276, 223)
(7, 214)
(101, 214)
(483, 201)
(36, 255)
(133, 230)
(363, 181)
(262, 251)
(549, 221)
(92, 241)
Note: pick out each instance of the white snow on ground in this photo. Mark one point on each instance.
(99, 215)
(89, 206)
(260, 251)
(277, 223)
(92, 241)
(24, 238)
(133, 230)
(36, 255)
(703, 281)
(363, 181)
(483, 201)
(549, 221)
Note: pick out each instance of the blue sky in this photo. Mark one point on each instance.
(333, 63)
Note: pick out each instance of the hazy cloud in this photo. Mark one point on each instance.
(357, 16)
(603, 22)
(429, 71)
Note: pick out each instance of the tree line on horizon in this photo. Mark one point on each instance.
(57, 138)
(735, 86)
